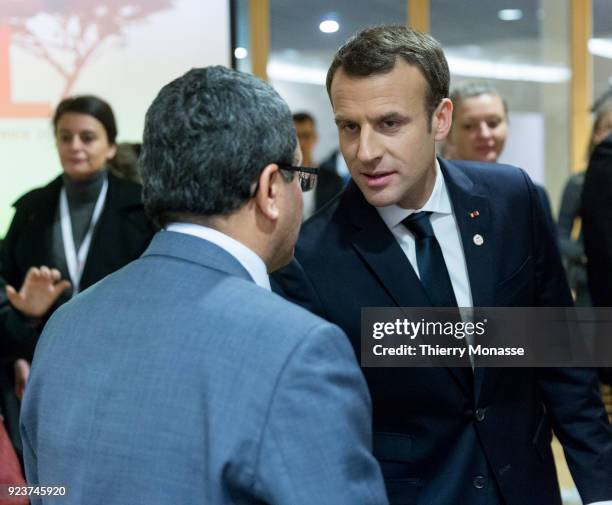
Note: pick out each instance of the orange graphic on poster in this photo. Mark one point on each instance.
(9, 109)
(64, 35)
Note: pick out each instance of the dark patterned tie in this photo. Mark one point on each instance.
(432, 269)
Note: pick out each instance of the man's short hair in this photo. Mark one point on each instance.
(208, 135)
(300, 117)
(375, 50)
(472, 89)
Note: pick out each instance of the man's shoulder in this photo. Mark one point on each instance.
(503, 185)
(203, 297)
(495, 174)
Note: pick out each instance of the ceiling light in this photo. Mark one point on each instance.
(291, 72)
(601, 47)
(240, 53)
(507, 71)
(329, 26)
(510, 14)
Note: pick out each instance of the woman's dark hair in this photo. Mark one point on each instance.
(92, 106)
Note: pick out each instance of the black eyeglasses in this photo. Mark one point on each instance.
(307, 175)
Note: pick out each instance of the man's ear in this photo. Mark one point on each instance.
(268, 192)
(442, 119)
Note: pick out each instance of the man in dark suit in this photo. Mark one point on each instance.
(413, 230)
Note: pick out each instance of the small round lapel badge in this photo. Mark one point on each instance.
(478, 240)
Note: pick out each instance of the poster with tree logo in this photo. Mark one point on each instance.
(121, 50)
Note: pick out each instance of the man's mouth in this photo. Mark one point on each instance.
(378, 179)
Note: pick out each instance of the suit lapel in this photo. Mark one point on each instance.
(473, 214)
(377, 246)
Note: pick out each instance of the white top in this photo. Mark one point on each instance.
(252, 263)
(446, 231)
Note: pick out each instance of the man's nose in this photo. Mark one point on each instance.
(370, 147)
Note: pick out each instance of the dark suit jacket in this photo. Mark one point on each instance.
(597, 223)
(17, 334)
(438, 438)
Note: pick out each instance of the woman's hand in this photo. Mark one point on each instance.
(41, 287)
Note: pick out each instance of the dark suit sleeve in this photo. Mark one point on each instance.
(9, 269)
(292, 283)
(545, 203)
(597, 223)
(18, 336)
(568, 212)
(552, 289)
(571, 395)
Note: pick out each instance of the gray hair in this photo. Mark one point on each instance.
(375, 50)
(208, 135)
(472, 89)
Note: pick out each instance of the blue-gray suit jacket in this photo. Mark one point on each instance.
(178, 380)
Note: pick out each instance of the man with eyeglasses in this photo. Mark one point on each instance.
(413, 230)
(181, 378)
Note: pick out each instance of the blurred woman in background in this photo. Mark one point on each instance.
(570, 232)
(86, 223)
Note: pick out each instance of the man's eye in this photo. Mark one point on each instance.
(349, 127)
(468, 126)
(65, 138)
(391, 123)
(493, 124)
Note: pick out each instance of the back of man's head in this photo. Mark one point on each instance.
(375, 50)
(208, 135)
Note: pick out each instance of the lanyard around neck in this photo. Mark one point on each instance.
(75, 260)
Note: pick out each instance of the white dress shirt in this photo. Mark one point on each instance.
(446, 231)
(252, 263)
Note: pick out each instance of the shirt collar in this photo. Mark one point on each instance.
(252, 263)
(438, 202)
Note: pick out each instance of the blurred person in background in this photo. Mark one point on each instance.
(329, 183)
(480, 130)
(125, 162)
(86, 223)
(597, 227)
(569, 224)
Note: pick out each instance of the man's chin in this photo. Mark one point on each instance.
(379, 198)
